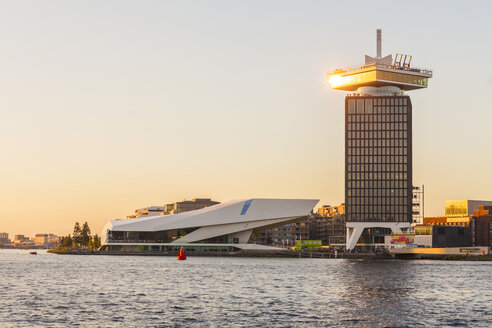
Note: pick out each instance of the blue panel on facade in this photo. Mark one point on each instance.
(246, 206)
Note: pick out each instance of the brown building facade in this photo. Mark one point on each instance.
(483, 226)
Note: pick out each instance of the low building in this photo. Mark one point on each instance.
(479, 223)
(188, 205)
(22, 241)
(329, 211)
(464, 221)
(330, 230)
(173, 208)
(20, 238)
(482, 226)
(430, 236)
(45, 240)
(450, 236)
(41, 239)
(328, 225)
(4, 239)
(146, 212)
(285, 235)
(462, 208)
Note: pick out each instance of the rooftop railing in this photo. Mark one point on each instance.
(385, 66)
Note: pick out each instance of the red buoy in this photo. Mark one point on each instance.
(181, 256)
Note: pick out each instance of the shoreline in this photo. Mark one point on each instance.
(314, 255)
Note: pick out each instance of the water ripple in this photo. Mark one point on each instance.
(104, 291)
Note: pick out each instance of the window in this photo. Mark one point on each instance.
(368, 106)
(351, 106)
(360, 106)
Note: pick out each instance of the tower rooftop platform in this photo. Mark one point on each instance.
(379, 75)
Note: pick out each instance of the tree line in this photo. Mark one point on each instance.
(81, 237)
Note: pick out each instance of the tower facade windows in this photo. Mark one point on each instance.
(378, 158)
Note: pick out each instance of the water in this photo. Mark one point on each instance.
(48, 290)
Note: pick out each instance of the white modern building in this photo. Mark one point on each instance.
(229, 226)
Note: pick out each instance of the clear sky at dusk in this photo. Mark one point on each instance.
(109, 106)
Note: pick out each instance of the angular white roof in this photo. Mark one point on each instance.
(235, 211)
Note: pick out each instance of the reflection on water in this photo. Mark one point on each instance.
(123, 291)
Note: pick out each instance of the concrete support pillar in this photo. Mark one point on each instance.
(355, 229)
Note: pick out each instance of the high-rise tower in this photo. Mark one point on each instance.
(378, 142)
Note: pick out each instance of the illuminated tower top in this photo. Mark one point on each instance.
(381, 72)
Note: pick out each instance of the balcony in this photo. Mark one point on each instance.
(378, 75)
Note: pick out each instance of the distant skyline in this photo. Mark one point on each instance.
(111, 106)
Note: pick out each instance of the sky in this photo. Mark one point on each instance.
(110, 106)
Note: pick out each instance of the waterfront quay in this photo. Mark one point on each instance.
(468, 254)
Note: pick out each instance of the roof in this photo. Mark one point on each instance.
(235, 211)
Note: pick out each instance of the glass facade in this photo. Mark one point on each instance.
(165, 236)
(402, 77)
(378, 158)
(168, 250)
(370, 77)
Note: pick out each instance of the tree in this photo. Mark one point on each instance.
(62, 242)
(95, 242)
(69, 241)
(85, 235)
(82, 235)
(66, 242)
(77, 234)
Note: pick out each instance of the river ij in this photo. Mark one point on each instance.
(49, 290)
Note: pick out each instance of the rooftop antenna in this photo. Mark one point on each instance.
(379, 59)
(378, 40)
